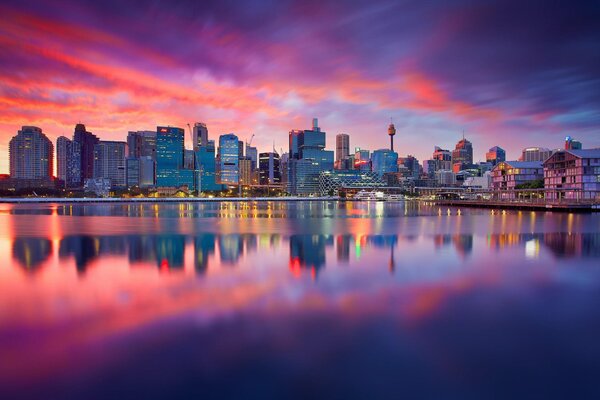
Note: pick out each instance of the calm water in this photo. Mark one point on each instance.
(297, 300)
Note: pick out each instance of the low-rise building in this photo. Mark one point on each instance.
(508, 175)
(573, 174)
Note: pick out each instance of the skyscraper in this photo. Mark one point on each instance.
(462, 156)
(252, 154)
(443, 159)
(63, 149)
(205, 163)
(269, 168)
(342, 146)
(308, 158)
(86, 141)
(199, 135)
(109, 162)
(384, 161)
(535, 154)
(30, 154)
(141, 144)
(169, 156)
(228, 160)
(495, 155)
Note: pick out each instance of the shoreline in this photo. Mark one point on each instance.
(33, 200)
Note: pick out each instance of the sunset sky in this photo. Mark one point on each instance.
(508, 73)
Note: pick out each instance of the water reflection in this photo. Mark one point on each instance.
(306, 251)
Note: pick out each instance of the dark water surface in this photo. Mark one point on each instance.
(297, 300)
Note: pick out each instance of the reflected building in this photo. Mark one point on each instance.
(463, 244)
(31, 252)
(204, 247)
(170, 251)
(85, 248)
(308, 251)
(343, 243)
(230, 248)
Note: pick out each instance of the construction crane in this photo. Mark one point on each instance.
(191, 136)
(249, 143)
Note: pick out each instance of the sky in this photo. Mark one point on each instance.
(507, 73)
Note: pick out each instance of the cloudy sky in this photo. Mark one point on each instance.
(508, 73)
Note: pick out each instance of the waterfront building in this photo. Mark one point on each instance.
(245, 171)
(509, 175)
(308, 158)
(205, 163)
(268, 165)
(109, 162)
(445, 177)
(495, 155)
(169, 156)
(478, 182)
(63, 149)
(429, 168)
(330, 182)
(252, 154)
(31, 155)
(99, 186)
(189, 159)
(141, 144)
(462, 155)
(140, 171)
(572, 144)
(199, 135)
(284, 161)
(86, 141)
(535, 154)
(342, 146)
(384, 161)
(573, 174)
(228, 160)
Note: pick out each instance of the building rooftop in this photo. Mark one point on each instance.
(585, 153)
(524, 164)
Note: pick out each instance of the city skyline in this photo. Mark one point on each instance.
(268, 69)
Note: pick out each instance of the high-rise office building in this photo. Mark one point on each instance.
(342, 146)
(109, 162)
(169, 156)
(268, 164)
(228, 160)
(31, 154)
(141, 144)
(412, 166)
(140, 171)
(86, 141)
(362, 159)
(63, 150)
(308, 158)
(384, 161)
(495, 155)
(443, 159)
(462, 155)
(199, 135)
(205, 163)
(245, 166)
(252, 154)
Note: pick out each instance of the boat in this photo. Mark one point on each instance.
(374, 195)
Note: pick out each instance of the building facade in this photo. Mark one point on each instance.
(199, 135)
(495, 155)
(462, 155)
(109, 162)
(268, 165)
(573, 174)
(384, 161)
(508, 175)
(31, 154)
(86, 141)
(169, 156)
(342, 146)
(228, 172)
(535, 154)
